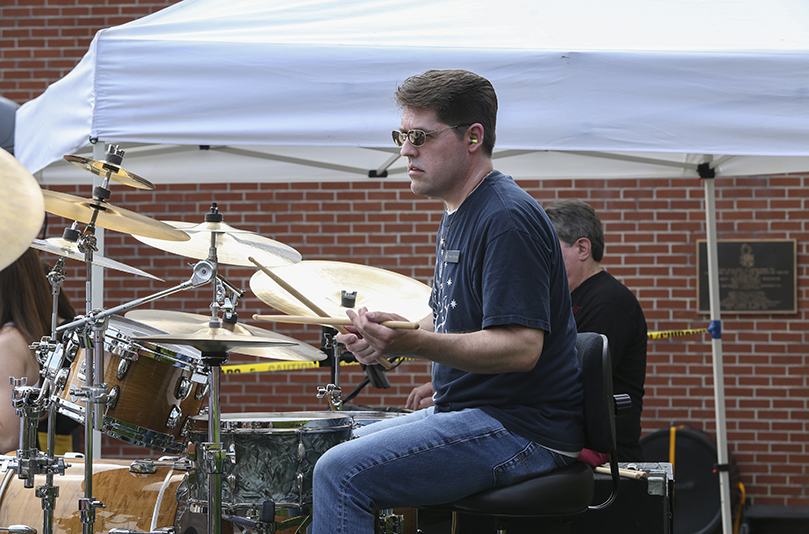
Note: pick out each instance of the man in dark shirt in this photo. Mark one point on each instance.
(604, 305)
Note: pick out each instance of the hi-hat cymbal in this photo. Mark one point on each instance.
(23, 209)
(116, 173)
(322, 282)
(110, 217)
(62, 247)
(233, 246)
(214, 340)
(187, 323)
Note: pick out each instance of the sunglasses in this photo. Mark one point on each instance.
(417, 137)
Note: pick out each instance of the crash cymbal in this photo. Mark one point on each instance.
(23, 209)
(116, 173)
(110, 217)
(186, 323)
(62, 247)
(214, 340)
(233, 246)
(322, 282)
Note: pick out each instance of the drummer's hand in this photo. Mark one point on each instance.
(420, 397)
(356, 345)
(368, 339)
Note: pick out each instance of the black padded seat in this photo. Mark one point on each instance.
(565, 491)
(558, 496)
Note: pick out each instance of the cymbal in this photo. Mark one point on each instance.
(186, 323)
(117, 174)
(62, 247)
(111, 217)
(233, 246)
(23, 209)
(322, 282)
(209, 339)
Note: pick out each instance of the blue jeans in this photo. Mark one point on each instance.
(419, 459)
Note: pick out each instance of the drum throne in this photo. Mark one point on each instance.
(552, 500)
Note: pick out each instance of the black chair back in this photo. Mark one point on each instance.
(599, 402)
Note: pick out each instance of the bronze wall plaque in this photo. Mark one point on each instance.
(755, 276)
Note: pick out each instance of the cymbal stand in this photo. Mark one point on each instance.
(31, 403)
(213, 453)
(48, 492)
(226, 299)
(332, 392)
(95, 392)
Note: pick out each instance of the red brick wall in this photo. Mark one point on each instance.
(651, 226)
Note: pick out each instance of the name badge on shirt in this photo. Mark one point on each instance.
(452, 256)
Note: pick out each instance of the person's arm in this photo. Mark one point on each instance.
(497, 349)
(17, 361)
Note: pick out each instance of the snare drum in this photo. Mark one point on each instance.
(137, 501)
(153, 388)
(274, 457)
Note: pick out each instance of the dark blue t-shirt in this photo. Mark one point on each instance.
(502, 264)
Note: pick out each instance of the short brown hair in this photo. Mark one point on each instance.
(458, 97)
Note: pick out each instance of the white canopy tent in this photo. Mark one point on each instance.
(301, 91)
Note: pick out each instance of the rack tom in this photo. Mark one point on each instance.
(153, 389)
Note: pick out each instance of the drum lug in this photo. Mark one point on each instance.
(201, 391)
(174, 417)
(112, 397)
(123, 368)
(231, 454)
(71, 350)
(301, 452)
(61, 379)
(121, 348)
(183, 389)
(299, 483)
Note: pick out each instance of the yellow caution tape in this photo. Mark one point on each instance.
(674, 333)
(261, 367)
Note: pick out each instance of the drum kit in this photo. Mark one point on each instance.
(143, 376)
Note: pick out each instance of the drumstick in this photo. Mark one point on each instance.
(330, 321)
(628, 473)
(309, 304)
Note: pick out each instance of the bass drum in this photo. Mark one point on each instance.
(137, 501)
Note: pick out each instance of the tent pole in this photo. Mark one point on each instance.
(716, 342)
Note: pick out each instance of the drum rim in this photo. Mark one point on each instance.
(273, 421)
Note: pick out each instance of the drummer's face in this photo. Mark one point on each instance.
(437, 167)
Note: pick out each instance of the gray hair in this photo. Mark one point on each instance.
(574, 219)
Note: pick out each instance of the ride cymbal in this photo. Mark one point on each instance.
(323, 282)
(109, 216)
(23, 209)
(176, 322)
(116, 173)
(233, 246)
(62, 247)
